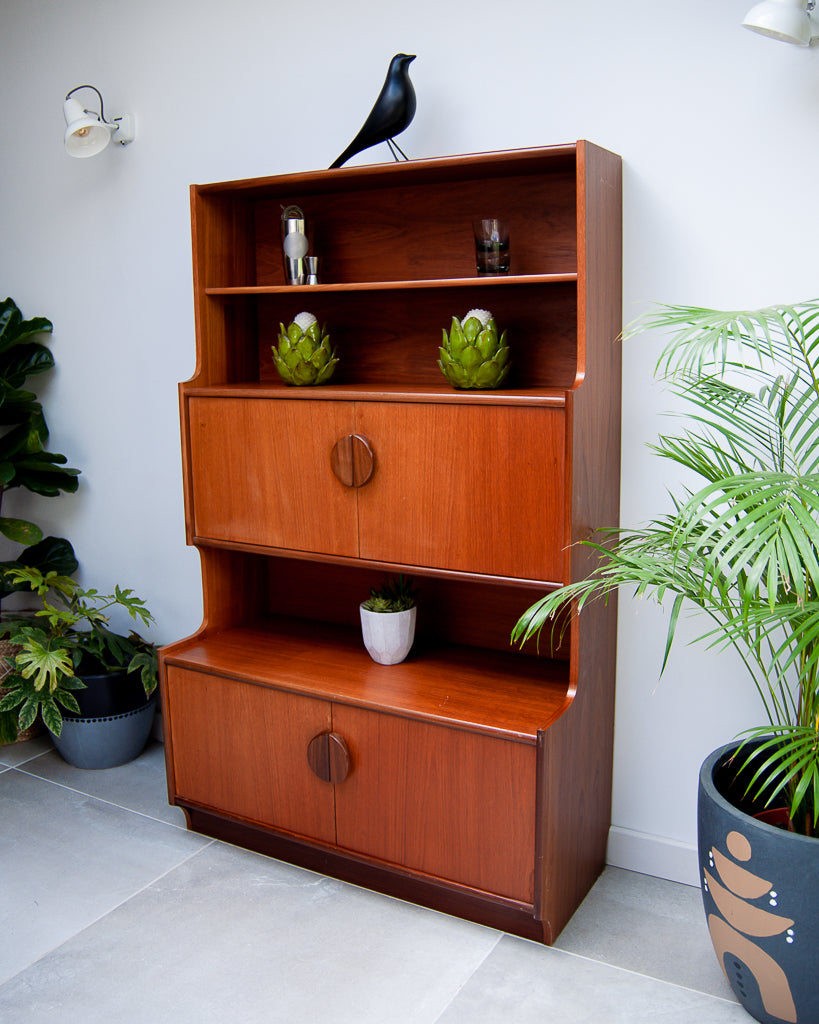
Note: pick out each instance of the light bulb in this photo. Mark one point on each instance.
(295, 245)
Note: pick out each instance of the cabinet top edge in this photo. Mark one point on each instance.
(410, 171)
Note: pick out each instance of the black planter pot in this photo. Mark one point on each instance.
(760, 891)
(109, 693)
(113, 725)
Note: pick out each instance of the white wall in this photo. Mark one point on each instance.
(719, 135)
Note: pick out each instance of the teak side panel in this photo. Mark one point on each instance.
(576, 752)
(261, 472)
(467, 488)
(448, 803)
(223, 251)
(243, 749)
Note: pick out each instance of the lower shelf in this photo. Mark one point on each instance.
(505, 915)
(512, 696)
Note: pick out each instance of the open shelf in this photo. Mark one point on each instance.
(504, 695)
(489, 281)
(442, 394)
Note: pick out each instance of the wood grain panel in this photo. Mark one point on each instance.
(448, 803)
(261, 474)
(412, 232)
(392, 337)
(465, 488)
(450, 611)
(243, 749)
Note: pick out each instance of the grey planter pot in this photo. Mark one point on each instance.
(105, 742)
(760, 891)
(388, 636)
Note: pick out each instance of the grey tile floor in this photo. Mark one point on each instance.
(111, 912)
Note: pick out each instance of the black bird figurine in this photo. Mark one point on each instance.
(393, 111)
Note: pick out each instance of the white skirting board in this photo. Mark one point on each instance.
(653, 855)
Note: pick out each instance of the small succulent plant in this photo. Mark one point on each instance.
(395, 595)
(303, 355)
(472, 355)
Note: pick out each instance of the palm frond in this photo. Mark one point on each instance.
(744, 548)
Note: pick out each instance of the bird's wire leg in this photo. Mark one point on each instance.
(393, 146)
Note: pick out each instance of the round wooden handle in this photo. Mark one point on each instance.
(329, 757)
(352, 460)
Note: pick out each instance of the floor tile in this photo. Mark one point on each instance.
(233, 936)
(138, 786)
(647, 925)
(87, 858)
(18, 753)
(523, 983)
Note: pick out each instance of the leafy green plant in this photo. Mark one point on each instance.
(744, 546)
(24, 460)
(395, 595)
(54, 647)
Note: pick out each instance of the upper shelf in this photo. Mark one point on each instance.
(365, 286)
(395, 225)
(531, 160)
(397, 262)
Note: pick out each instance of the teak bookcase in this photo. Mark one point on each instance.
(474, 778)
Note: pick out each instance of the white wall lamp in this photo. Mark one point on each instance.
(788, 20)
(87, 132)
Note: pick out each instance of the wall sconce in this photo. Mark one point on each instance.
(788, 20)
(87, 132)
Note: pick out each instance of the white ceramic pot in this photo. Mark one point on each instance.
(388, 636)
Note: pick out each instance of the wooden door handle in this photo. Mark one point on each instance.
(352, 460)
(329, 757)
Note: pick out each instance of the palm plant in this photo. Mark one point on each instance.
(744, 546)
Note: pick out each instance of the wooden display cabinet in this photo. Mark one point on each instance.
(474, 778)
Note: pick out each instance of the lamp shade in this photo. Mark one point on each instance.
(85, 134)
(787, 20)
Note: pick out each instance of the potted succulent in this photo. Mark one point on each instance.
(388, 621)
(92, 687)
(743, 548)
(25, 462)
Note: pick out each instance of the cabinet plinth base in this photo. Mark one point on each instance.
(503, 915)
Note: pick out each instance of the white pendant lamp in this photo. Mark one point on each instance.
(87, 132)
(787, 20)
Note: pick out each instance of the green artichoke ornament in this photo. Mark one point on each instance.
(304, 355)
(473, 356)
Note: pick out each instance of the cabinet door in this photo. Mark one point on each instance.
(260, 473)
(448, 803)
(242, 749)
(471, 488)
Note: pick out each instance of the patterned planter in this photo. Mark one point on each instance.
(760, 891)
